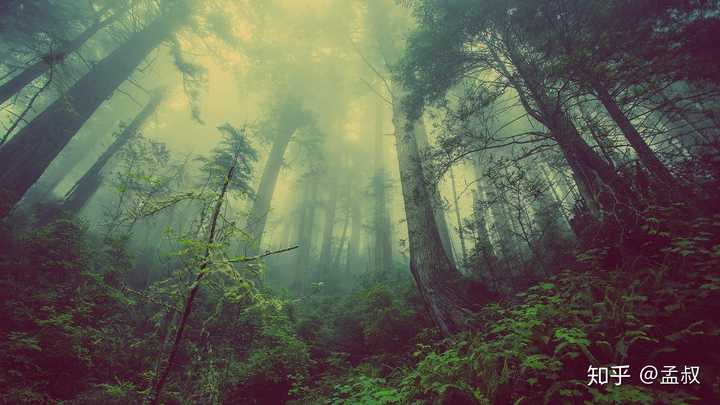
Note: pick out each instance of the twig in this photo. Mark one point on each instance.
(268, 253)
(29, 106)
(377, 93)
(125, 288)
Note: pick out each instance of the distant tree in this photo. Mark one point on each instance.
(283, 121)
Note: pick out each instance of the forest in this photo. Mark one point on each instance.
(450, 202)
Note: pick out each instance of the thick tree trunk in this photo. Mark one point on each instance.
(83, 190)
(263, 199)
(381, 228)
(645, 154)
(435, 275)
(25, 157)
(438, 209)
(42, 66)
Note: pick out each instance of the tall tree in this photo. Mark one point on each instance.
(326, 247)
(437, 278)
(456, 208)
(45, 136)
(483, 245)
(44, 64)
(87, 185)
(285, 119)
(306, 227)
(352, 263)
(381, 224)
(438, 206)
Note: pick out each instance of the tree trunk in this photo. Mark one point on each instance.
(327, 238)
(483, 245)
(37, 69)
(343, 237)
(436, 277)
(25, 157)
(83, 190)
(381, 228)
(353, 249)
(261, 205)
(645, 154)
(438, 209)
(305, 234)
(458, 219)
(553, 191)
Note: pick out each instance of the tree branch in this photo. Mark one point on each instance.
(258, 257)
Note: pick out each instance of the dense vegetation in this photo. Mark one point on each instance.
(441, 202)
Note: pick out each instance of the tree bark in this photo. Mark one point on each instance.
(382, 246)
(436, 277)
(438, 209)
(25, 157)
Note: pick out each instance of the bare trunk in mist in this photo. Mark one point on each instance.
(343, 238)
(381, 224)
(483, 245)
(24, 158)
(436, 276)
(327, 237)
(42, 66)
(305, 234)
(502, 222)
(88, 184)
(263, 198)
(353, 250)
(458, 220)
(646, 155)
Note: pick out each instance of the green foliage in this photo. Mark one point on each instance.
(64, 323)
(364, 390)
(537, 348)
